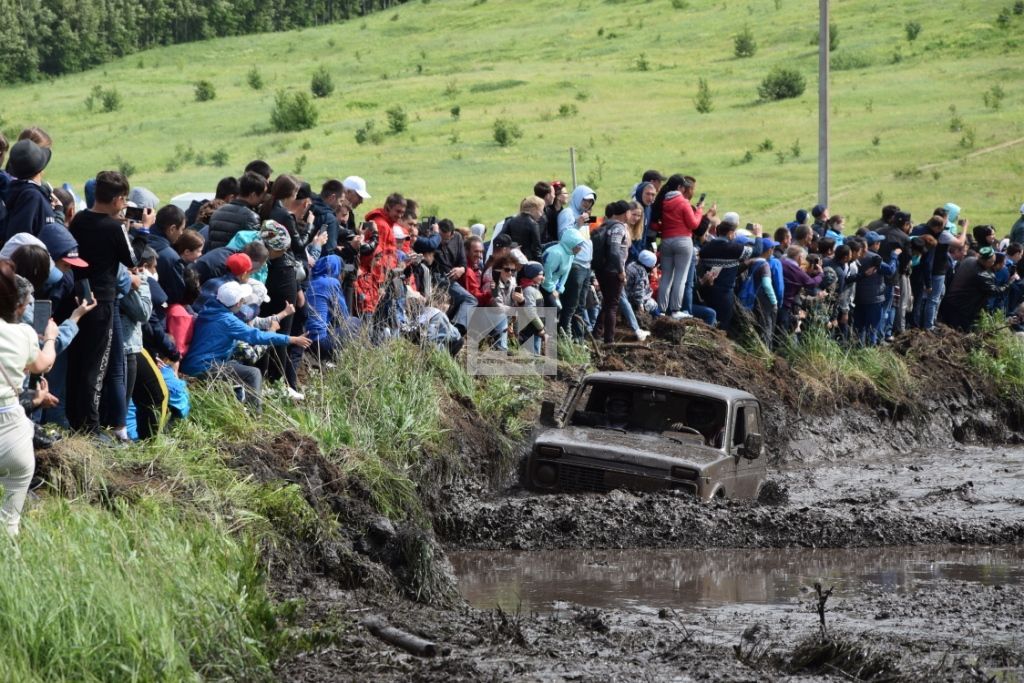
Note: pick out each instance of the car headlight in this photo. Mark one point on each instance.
(550, 451)
(685, 473)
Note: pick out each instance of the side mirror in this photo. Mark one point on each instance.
(752, 446)
(547, 413)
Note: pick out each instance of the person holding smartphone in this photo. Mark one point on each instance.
(97, 350)
(20, 354)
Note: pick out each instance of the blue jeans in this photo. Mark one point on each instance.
(705, 313)
(867, 321)
(933, 299)
(627, 312)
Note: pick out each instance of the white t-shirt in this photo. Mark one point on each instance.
(19, 346)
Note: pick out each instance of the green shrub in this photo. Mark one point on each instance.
(1003, 19)
(322, 84)
(744, 44)
(456, 112)
(1018, 7)
(204, 91)
(703, 102)
(293, 111)
(254, 78)
(106, 100)
(136, 595)
(913, 29)
(641, 62)
(847, 61)
(568, 110)
(993, 97)
(398, 120)
(124, 166)
(369, 133)
(833, 37)
(782, 83)
(506, 132)
(219, 158)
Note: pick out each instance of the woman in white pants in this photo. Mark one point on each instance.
(19, 354)
(675, 218)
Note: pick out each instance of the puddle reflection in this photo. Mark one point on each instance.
(651, 579)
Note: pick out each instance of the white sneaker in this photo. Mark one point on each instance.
(295, 395)
(642, 335)
(679, 315)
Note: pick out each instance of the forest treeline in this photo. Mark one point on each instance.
(40, 38)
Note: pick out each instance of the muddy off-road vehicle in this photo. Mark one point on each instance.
(625, 430)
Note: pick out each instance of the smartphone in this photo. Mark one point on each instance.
(86, 290)
(133, 213)
(41, 314)
(591, 219)
(703, 196)
(750, 226)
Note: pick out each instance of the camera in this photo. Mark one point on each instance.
(426, 224)
(134, 213)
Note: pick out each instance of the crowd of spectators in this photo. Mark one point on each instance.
(111, 304)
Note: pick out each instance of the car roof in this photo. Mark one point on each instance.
(671, 384)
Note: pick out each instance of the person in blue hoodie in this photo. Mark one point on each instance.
(328, 321)
(217, 329)
(576, 216)
(29, 202)
(558, 261)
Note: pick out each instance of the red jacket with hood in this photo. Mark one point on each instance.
(678, 217)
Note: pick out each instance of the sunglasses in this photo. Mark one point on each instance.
(509, 270)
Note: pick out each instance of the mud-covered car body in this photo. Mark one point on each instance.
(649, 433)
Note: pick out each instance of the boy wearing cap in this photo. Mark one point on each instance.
(217, 328)
(29, 203)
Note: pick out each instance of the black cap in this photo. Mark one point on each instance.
(27, 159)
(503, 241)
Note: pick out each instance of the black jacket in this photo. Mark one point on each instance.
(103, 244)
(28, 209)
(524, 230)
(228, 220)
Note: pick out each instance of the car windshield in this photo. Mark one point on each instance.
(643, 409)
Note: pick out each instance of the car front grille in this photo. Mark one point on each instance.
(576, 478)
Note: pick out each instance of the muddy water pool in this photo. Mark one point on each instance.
(646, 581)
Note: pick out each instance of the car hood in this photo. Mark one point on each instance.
(629, 447)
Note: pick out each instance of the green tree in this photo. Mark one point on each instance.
(744, 44)
(398, 120)
(322, 84)
(703, 102)
(293, 111)
(782, 83)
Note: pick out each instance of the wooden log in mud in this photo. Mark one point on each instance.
(415, 645)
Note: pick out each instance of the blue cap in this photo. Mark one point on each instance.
(801, 216)
(744, 240)
(817, 210)
(60, 243)
(767, 243)
(90, 192)
(423, 245)
(873, 237)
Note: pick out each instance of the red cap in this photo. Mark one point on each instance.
(239, 264)
(72, 259)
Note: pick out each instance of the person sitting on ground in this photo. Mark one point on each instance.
(530, 324)
(328, 322)
(217, 328)
(638, 283)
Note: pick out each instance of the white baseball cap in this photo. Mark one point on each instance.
(399, 232)
(231, 293)
(259, 293)
(357, 185)
(731, 217)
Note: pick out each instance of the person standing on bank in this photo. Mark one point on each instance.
(675, 218)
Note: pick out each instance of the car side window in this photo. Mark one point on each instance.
(739, 432)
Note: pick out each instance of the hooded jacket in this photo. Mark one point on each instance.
(678, 217)
(558, 260)
(326, 302)
(953, 212)
(386, 243)
(213, 339)
(28, 209)
(569, 219)
(324, 217)
(972, 286)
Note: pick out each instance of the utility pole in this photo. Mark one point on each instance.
(572, 165)
(823, 104)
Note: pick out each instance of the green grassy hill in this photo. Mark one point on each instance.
(615, 79)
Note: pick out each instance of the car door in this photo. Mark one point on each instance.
(749, 472)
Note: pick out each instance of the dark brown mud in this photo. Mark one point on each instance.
(849, 468)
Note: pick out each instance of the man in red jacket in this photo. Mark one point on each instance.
(384, 220)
